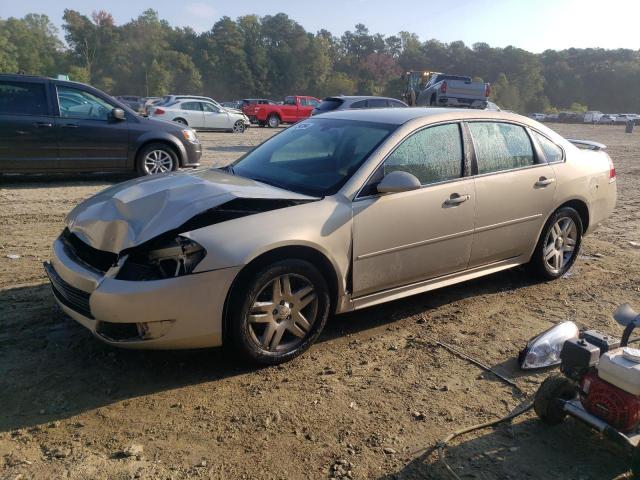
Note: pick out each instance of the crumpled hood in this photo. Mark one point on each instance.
(138, 210)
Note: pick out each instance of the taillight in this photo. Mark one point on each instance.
(612, 170)
(159, 111)
(487, 90)
(443, 87)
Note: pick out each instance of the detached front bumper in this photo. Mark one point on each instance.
(175, 313)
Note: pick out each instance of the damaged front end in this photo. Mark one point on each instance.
(128, 269)
(170, 254)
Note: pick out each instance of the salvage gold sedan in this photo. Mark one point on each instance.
(339, 212)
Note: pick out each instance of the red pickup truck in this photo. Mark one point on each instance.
(294, 109)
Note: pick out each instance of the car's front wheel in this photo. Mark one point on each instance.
(156, 158)
(238, 127)
(558, 245)
(278, 312)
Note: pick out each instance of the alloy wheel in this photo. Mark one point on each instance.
(560, 244)
(283, 313)
(238, 127)
(157, 161)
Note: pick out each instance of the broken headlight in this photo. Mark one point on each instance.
(174, 258)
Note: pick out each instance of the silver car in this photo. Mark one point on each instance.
(336, 213)
(201, 115)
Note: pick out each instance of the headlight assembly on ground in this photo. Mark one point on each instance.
(544, 350)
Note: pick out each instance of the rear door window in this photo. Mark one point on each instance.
(552, 152)
(360, 104)
(501, 146)
(192, 106)
(23, 98)
(433, 154)
(377, 103)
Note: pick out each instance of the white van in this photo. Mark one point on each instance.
(592, 116)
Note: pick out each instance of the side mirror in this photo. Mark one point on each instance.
(117, 114)
(398, 181)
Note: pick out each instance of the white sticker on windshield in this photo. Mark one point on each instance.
(302, 126)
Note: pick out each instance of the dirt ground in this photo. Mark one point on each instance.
(362, 403)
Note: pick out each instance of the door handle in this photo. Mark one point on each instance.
(456, 199)
(544, 181)
(42, 124)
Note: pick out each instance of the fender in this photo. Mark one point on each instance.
(158, 136)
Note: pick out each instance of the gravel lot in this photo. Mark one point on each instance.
(363, 403)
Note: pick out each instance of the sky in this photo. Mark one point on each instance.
(535, 25)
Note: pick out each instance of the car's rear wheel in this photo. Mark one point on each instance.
(181, 121)
(279, 312)
(238, 127)
(558, 245)
(156, 158)
(273, 121)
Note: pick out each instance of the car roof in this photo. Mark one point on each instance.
(399, 116)
(358, 97)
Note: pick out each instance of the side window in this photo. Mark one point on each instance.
(396, 104)
(304, 102)
(75, 103)
(192, 106)
(433, 155)
(210, 107)
(290, 101)
(552, 152)
(360, 104)
(23, 98)
(501, 146)
(313, 102)
(377, 103)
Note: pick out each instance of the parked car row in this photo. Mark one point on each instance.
(592, 116)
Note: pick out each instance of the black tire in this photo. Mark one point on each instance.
(273, 121)
(243, 335)
(538, 265)
(547, 403)
(181, 121)
(238, 127)
(142, 169)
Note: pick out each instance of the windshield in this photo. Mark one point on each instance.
(314, 157)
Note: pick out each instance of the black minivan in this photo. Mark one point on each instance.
(49, 125)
